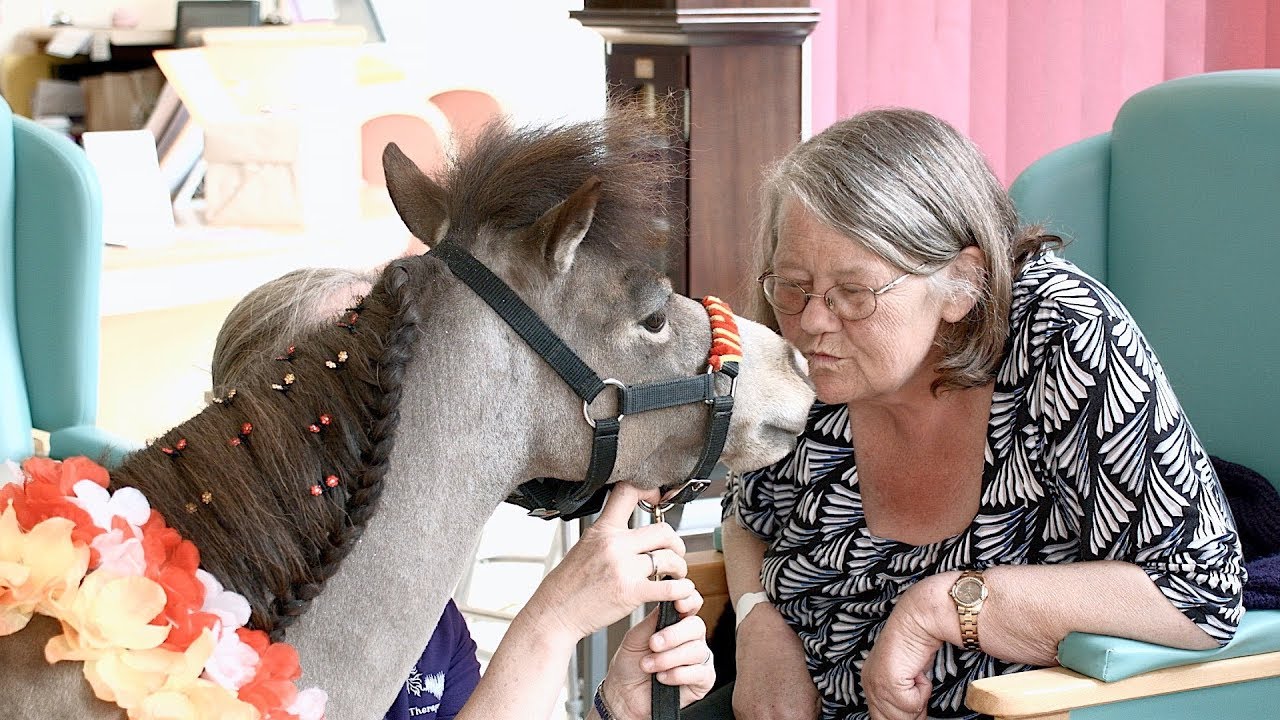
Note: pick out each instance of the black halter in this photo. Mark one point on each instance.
(555, 498)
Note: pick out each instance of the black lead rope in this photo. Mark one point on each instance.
(665, 698)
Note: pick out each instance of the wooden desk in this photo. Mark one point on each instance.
(162, 307)
(706, 570)
(122, 37)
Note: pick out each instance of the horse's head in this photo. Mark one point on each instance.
(573, 218)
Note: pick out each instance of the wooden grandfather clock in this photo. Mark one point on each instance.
(733, 70)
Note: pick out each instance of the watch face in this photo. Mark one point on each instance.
(968, 591)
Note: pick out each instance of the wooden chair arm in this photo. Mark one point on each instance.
(1051, 694)
(706, 570)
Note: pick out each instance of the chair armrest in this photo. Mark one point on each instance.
(1050, 694)
(1110, 659)
(93, 442)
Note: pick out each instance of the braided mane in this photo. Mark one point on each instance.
(256, 499)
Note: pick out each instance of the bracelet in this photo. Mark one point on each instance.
(601, 709)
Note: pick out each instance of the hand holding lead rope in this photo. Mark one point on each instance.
(666, 698)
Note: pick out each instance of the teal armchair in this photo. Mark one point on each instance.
(50, 272)
(1177, 210)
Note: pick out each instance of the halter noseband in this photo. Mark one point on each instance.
(555, 498)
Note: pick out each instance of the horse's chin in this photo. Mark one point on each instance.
(769, 445)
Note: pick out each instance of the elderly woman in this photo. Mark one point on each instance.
(996, 458)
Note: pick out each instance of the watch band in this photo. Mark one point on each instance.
(969, 593)
(745, 604)
(969, 630)
(598, 703)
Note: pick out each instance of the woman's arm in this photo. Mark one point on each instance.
(773, 679)
(1031, 608)
(599, 581)
(1028, 611)
(743, 559)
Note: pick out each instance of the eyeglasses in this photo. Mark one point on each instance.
(848, 301)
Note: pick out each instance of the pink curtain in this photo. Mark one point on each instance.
(1023, 77)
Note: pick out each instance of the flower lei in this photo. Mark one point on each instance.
(158, 636)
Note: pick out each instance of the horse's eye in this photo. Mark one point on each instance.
(655, 322)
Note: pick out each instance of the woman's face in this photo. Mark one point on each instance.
(850, 361)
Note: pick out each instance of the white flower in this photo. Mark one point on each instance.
(102, 506)
(233, 663)
(309, 704)
(230, 607)
(120, 556)
(11, 474)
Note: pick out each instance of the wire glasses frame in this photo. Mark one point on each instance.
(849, 301)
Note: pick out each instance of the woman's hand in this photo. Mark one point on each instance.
(773, 678)
(894, 675)
(608, 572)
(678, 655)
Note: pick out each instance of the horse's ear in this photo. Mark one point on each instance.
(562, 228)
(418, 199)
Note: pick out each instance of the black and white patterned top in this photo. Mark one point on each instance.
(1089, 457)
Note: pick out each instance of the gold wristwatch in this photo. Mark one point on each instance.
(969, 592)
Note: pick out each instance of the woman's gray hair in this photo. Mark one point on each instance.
(270, 316)
(914, 191)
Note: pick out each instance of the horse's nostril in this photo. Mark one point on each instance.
(799, 363)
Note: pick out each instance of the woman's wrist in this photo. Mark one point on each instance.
(544, 624)
(607, 703)
(929, 609)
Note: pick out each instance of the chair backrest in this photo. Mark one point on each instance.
(51, 269)
(467, 110)
(15, 412)
(1180, 206)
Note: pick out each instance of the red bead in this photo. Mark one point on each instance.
(234, 442)
(331, 481)
(316, 490)
(314, 428)
(246, 428)
(325, 419)
(182, 444)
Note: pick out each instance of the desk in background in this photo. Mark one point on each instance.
(162, 307)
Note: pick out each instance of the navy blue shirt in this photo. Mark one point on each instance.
(445, 676)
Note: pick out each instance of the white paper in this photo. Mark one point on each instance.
(100, 47)
(135, 199)
(69, 42)
(311, 10)
(57, 97)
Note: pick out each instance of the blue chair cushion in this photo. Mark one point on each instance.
(1110, 659)
(92, 442)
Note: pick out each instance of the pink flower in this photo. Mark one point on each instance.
(309, 705)
(120, 555)
(233, 662)
(230, 607)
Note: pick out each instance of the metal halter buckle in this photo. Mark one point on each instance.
(622, 392)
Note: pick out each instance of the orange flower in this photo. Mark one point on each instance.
(107, 613)
(272, 688)
(36, 568)
(197, 701)
(147, 640)
(129, 677)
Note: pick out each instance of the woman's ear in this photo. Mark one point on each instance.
(970, 268)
